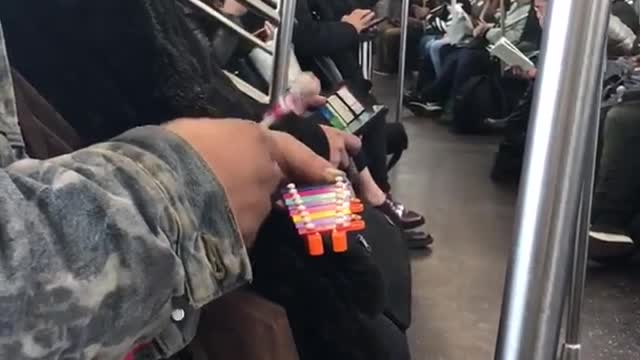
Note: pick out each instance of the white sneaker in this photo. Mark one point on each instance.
(433, 106)
(611, 238)
(607, 246)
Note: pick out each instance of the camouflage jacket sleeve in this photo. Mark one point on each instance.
(113, 245)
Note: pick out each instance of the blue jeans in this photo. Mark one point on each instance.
(434, 52)
(423, 45)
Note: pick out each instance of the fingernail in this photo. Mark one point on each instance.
(330, 174)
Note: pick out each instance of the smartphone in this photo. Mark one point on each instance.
(376, 22)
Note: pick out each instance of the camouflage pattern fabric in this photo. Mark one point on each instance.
(113, 245)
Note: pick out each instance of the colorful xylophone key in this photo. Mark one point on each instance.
(324, 210)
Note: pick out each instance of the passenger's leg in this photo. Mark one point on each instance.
(471, 62)
(374, 195)
(617, 189)
(387, 50)
(434, 95)
(439, 50)
(429, 69)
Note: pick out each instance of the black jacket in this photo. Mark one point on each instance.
(319, 31)
(108, 66)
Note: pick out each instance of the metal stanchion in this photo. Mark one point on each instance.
(503, 16)
(280, 73)
(231, 25)
(263, 9)
(571, 346)
(404, 21)
(536, 282)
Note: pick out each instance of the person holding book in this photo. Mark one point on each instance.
(472, 59)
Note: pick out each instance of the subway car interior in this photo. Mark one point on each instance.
(497, 126)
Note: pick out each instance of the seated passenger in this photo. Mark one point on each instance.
(142, 68)
(323, 31)
(104, 222)
(617, 186)
(370, 162)
(464, 62)
(388, 40)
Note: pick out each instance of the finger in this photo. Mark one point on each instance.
(316, 101)
(299, 163)
(368, 17)
(352, 143)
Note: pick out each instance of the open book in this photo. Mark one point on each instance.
(510, 54)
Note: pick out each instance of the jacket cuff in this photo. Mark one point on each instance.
(206, 237)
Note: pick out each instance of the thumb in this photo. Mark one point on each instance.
(299, 163)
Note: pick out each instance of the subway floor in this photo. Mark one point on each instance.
(457, 287)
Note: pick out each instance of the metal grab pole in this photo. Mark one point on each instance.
(282, 49)
(503, 17)
(404, 22)
(575, 32)
(231, 25)
(571, 346)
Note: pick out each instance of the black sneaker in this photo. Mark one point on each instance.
(410, 96)
(607, 245)
(424, 109)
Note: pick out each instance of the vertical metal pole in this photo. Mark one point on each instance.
(503, 16)
(536, 283)
(404, 21)
(282, 49)
(571, 347)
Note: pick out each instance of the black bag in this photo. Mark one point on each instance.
(397, 142)
(391, 255)
(479, 98)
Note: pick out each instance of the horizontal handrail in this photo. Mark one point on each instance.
(231, 25)
(246, 88)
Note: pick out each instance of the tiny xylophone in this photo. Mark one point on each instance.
(324, 212)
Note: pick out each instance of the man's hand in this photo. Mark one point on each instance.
(342, 145)
(482, 29)
(251, 163)
(360, 19)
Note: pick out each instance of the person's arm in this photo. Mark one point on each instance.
(514, 26)
(100, 245)
(320, 38)
(621, 39)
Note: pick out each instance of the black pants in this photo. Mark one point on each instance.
(427, 72)
(617, 189)
(460, 65)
